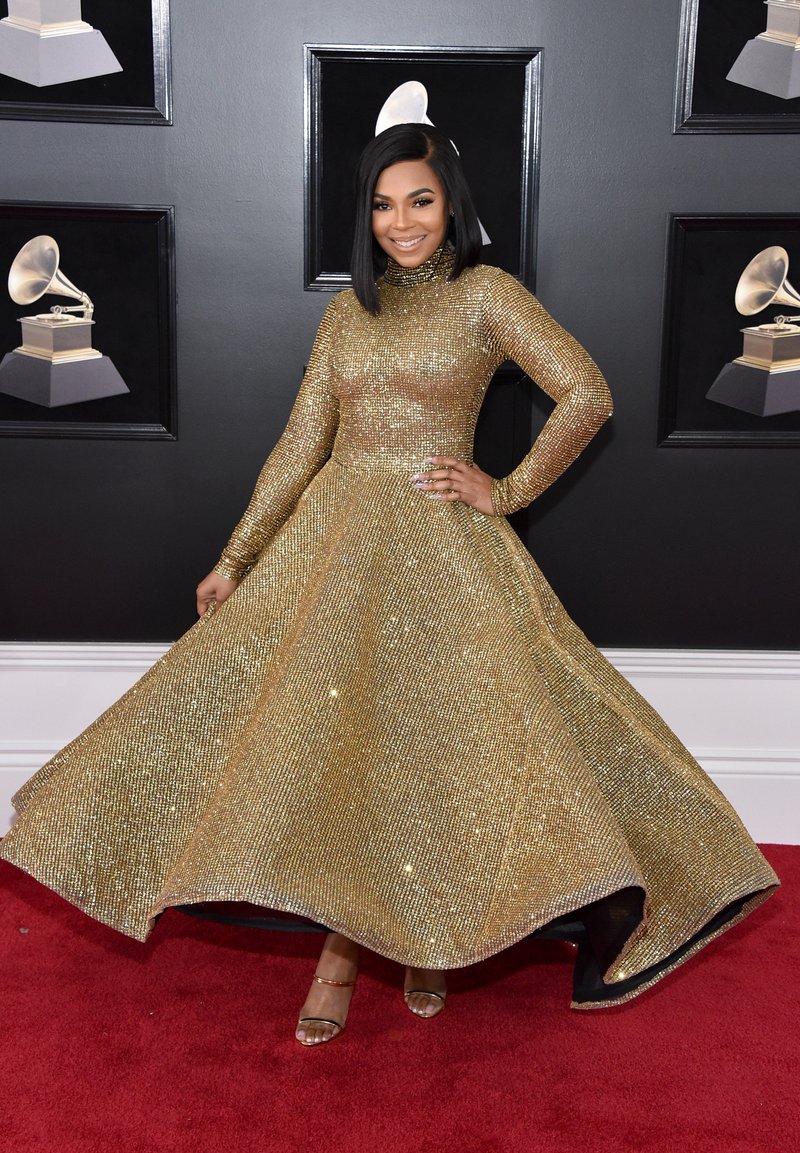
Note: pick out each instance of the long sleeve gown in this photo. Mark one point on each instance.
(392, 726)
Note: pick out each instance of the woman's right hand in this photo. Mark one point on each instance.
(213, 588)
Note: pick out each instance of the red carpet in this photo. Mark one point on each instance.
(184, 1045)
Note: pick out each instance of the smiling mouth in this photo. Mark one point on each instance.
(408, 244)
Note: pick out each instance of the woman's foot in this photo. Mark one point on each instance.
(324, 1013)
(425, 991)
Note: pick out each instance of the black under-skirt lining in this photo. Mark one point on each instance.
(599, 930)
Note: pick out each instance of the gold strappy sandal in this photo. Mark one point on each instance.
(435, 1002)
(338, 1026)
(422, 1002)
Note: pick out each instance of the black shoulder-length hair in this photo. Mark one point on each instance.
(410, 142)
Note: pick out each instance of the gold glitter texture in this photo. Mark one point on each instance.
(392, 726)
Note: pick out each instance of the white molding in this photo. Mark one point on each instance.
(27, 754)
(717, 762)
(704, 663)
(736, 762)
(651, 662)
(138, 657)
(736, 711)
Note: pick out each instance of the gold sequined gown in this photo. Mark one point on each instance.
(392, 726)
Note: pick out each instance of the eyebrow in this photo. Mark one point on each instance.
(380, 195)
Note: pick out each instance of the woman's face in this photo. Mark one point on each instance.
(409, 212)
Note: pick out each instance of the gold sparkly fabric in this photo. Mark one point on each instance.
(392, 726)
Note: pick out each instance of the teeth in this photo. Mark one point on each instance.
(409, 243)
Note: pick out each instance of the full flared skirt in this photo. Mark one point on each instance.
(394, 728)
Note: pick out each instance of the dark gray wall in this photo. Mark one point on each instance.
(646, 546)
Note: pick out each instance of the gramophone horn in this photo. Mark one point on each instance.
(35, 272)
(408, 104)
(764, 282)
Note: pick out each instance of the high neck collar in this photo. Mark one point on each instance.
(436, 267)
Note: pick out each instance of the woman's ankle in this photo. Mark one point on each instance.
(339, 951)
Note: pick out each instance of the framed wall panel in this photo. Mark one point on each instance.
(738, 66)
(116, 69)
(120, 256)
(487, 100)
(702, 333)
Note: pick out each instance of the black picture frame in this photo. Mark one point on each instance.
(712, 34)
(123, 256)
(138, 33)
(488, 100)
(702, 328)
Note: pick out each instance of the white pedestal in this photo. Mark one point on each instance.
(771, 66)
(765, 379)
(54, 384)
(44, 42)
(757, 390)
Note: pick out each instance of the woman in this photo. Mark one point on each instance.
(388, 722)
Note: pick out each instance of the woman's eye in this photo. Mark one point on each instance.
(378, 205)
(423, 202)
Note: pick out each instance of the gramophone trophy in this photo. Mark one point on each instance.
(46, 42)
(771, 61)
(55, 364)
(765, 379)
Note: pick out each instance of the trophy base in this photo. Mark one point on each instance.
(768, 66)
(43, 60)
(757, 390)
(51, 384)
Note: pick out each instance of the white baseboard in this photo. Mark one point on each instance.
(737, 712)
